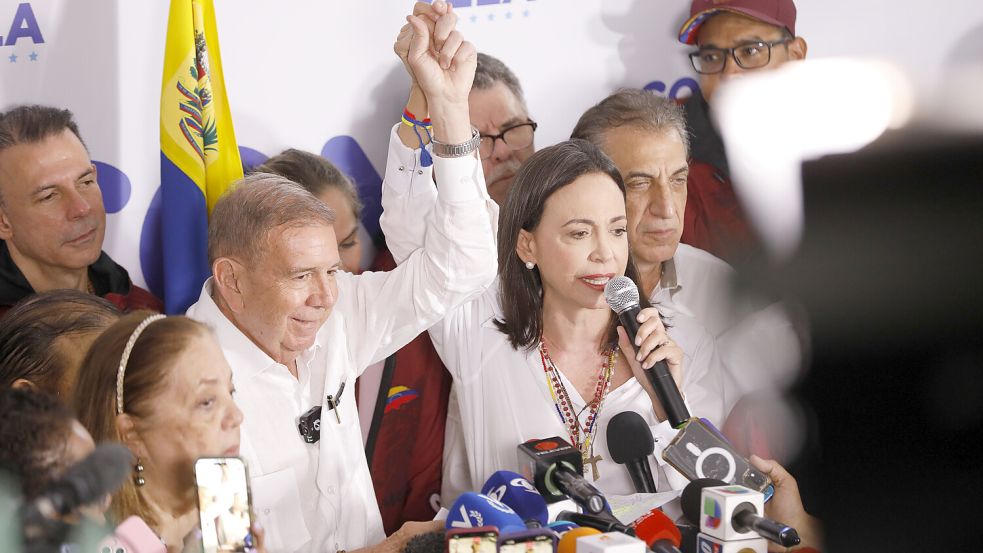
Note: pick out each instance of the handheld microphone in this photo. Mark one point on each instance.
(556, 468)
(518, 493)
(724, 511)
(598, 522)
(88, 481)
(622, 296)
(658, 532)
(630, 443)
(746, 519)
(473, 510)
(85, 482)
(134, 536)
(568, 543)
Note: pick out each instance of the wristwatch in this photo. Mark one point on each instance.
(441, 149)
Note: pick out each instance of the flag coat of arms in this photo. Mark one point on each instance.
(199, 157)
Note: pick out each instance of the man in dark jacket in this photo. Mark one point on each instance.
(52, 220)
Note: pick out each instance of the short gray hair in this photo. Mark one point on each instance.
(491, 70)
(244, 217)
(632, 107)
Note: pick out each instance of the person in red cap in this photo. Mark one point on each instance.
(732, 37)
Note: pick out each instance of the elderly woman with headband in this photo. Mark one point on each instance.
(161, 386)
(540, 354)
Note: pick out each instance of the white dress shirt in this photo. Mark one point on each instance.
(758, 346)
(500, 396)
(319, 497)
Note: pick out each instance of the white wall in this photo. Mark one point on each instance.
(301, 72)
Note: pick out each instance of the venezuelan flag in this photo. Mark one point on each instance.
(199, 157)
(399, 396)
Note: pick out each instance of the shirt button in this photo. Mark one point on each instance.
(401, 168)
(419, 172)
(266, 511)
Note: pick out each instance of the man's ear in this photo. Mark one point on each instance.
(797, 49)
(227, 272)
(127, 431)
(6, 229)
(24, 384)
(525, 248)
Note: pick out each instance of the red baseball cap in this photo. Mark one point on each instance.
(780, 13)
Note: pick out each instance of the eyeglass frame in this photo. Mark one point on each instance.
(731, 53)
(501, 136)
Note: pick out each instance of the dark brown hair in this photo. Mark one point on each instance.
(28, 333)
(33, 123)
(147, 374)
(521, 289)
(314, 173)
(34, 433)
(635, 108)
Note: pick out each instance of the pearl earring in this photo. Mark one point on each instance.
(138, 477)
(530, 265)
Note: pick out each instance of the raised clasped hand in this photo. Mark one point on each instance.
(436, 55)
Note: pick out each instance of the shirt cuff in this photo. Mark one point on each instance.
(460, 179)
(403, 167)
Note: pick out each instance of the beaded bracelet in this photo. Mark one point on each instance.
(411, 121)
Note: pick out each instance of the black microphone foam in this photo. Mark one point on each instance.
(89, 480)
(621, 294)
(691, 499)
(630, 443)
(429, 542)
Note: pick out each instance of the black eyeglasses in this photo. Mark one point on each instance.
(516, 137)
(750, 55)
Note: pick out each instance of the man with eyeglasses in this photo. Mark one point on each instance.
(731, 37)
(498, 111)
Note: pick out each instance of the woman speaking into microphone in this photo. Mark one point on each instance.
(540, 354)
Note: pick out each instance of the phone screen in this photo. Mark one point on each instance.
(224, 504)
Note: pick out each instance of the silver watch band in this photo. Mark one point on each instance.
(441, 149)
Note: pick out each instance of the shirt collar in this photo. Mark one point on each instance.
(669, 279)
(245, 357)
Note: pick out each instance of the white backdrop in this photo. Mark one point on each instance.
(303, 72)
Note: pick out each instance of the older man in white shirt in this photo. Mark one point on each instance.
(297, 331)
(646, 137)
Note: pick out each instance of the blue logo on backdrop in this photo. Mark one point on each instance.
(23, 26)
(683, 87)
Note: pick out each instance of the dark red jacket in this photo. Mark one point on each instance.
(405, 446)
(108, 279)
(714, 220)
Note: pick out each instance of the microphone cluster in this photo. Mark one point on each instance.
(511, 514)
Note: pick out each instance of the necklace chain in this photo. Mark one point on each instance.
(564, 405)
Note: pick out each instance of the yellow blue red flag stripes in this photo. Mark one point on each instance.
(199, 158)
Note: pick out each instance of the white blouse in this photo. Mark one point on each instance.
(501, 397)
